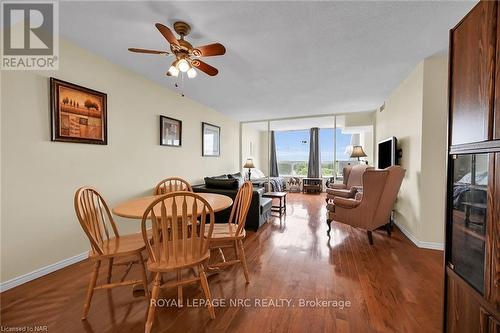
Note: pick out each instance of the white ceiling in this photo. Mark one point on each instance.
(283, 58)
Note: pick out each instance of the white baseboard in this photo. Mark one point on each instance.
(42, 271)
(419, 243)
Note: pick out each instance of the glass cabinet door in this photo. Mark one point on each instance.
(468, 217)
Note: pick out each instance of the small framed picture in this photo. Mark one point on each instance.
(210, 145)
(170, 132)
(78, 114)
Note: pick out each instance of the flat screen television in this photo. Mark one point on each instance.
(387, 153)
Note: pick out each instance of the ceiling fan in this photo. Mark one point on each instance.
(186, 56)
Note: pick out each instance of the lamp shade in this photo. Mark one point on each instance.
(357, 151)
(249, 163)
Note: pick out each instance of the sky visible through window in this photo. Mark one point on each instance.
(294, 145)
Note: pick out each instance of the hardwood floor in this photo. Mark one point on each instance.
(392, 286)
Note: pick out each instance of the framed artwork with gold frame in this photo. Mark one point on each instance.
(78, 114)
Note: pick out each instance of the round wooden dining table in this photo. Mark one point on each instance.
(135, 208)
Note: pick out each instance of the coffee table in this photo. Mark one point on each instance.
(281, 208)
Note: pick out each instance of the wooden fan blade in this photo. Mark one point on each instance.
(167, 33)
(133, 49)
(210, 50)
(204, 67)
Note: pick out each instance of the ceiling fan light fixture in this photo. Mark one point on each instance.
(183, 65)
(191, 73)
(173, 71)
(186, 57)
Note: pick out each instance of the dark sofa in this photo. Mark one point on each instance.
(260, 208)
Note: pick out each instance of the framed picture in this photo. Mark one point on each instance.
(170, 132)
(210, 145)
(78, 114)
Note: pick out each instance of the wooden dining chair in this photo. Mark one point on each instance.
(231, 234)
(174, 247)
(106, 243)
(172, 184)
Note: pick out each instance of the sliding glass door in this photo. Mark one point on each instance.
(327, 148)
(292, 152)
(281, 148)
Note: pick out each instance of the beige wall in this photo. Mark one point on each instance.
(416, 113)
(434, 147)
(402, 118)
(40, 177)
(358, 119)
(362, 123)
(254, 138)
(264, 152)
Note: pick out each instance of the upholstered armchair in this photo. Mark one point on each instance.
(371, 209)
(353, 176)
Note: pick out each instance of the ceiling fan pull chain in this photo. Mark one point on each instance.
(182, 84)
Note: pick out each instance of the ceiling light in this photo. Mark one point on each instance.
(173, 71)
(191, 73)
(183, 65)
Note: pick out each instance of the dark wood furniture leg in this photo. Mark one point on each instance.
(370, 237)
(467, 215)
(281, 207)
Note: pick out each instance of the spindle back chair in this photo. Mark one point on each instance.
(231, 234)
(172, 184)
(106, 243)
(174, 245)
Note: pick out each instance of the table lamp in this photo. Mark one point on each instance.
(357, 151)
(249, 165)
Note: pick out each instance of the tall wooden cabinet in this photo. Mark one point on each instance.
(473, 69)
(472, 273)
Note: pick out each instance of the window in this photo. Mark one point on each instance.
(342, 150)
(336, 136)
(292, 152)
(326, 147)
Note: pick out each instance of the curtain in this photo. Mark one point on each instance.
(273, 160)
(314, 167)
